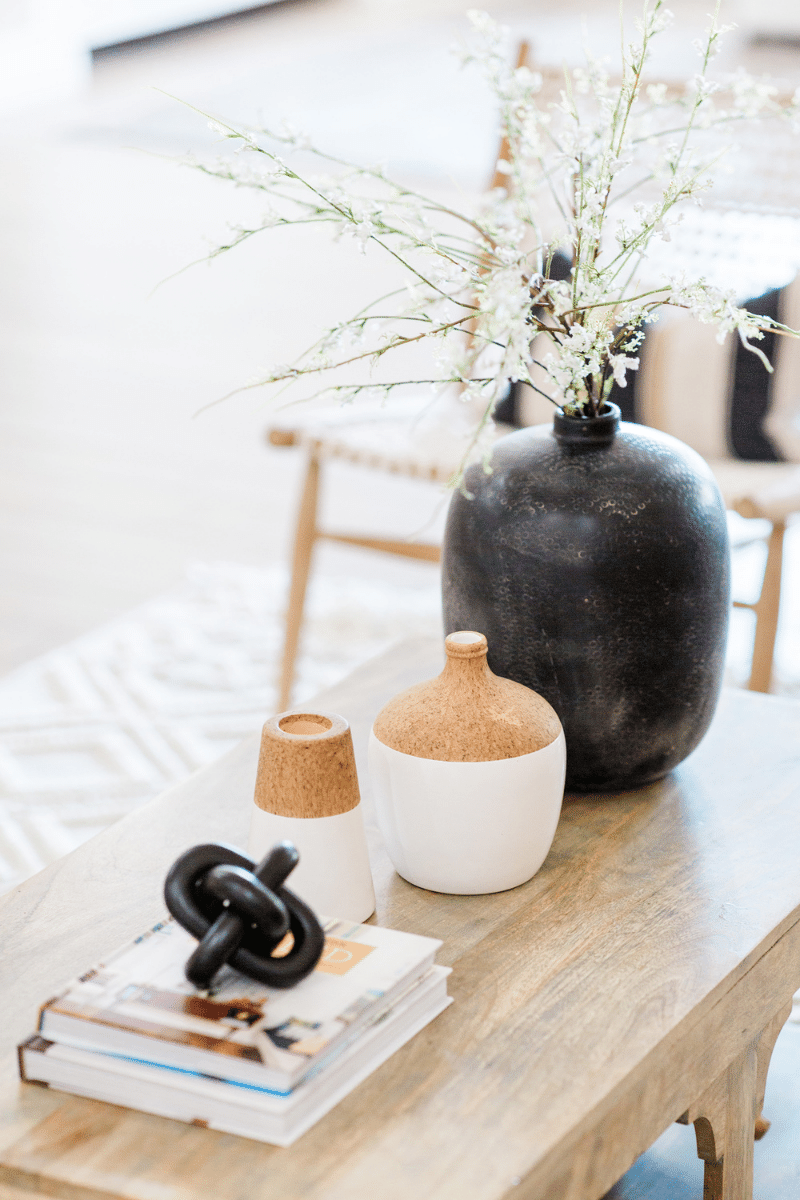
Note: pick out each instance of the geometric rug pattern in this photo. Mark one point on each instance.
(93, 729)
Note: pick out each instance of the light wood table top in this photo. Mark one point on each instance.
(641, 976)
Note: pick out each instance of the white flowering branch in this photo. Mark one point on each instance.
(480, 282)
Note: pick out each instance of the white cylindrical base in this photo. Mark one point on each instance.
(468, 827)
(333, 875)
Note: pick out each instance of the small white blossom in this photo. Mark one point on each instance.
(620, 363)
(656, 93)
(296, 137)
(751, 96)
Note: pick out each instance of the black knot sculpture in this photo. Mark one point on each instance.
(239, 912)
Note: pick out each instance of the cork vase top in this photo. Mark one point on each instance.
(467, 714)
(306, 767)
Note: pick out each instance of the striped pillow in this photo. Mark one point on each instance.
(719, 398)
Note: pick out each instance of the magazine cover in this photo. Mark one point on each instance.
(141, 990)
(234, 1107)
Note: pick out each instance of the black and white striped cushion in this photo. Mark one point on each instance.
(717, 397)
(743, 406)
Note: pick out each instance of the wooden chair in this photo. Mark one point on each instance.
(685, 387)
(390, 443)
(387, 439)
(396, 440)
(682, 356)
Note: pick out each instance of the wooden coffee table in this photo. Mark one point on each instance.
(640, 978)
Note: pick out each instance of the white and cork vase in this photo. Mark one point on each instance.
(468, 774)
(307, 793)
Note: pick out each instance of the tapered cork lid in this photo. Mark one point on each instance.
(306, 767)
(467, 714)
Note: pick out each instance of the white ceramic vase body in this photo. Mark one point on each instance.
(307, 793)
(333, 875)
(467, 827)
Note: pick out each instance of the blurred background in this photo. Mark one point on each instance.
(110, 484)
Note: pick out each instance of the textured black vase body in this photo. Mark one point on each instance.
(595, 559)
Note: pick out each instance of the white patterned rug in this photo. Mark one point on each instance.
(94, 729)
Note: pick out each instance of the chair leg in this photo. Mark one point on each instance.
(305, 536)
(767, 608)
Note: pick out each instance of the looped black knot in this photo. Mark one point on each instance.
(239, 912)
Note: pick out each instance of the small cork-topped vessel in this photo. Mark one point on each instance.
(468, 775)
(307, 793)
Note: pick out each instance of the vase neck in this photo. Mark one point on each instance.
(587, 432)
(466, 657)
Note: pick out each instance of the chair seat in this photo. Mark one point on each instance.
(759, 489)
(425, 441)
(419, 438)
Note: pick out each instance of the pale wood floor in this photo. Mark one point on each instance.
(108, 486)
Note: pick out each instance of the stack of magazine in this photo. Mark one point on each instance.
(243, 1058)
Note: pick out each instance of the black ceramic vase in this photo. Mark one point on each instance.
(595, 559)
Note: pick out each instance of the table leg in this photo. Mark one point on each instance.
(766, 1044)
(725, 1132)
(725, 1118)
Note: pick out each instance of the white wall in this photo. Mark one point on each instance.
(110, 21)
(45, 45)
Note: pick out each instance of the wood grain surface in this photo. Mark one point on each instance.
(593, 1006)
